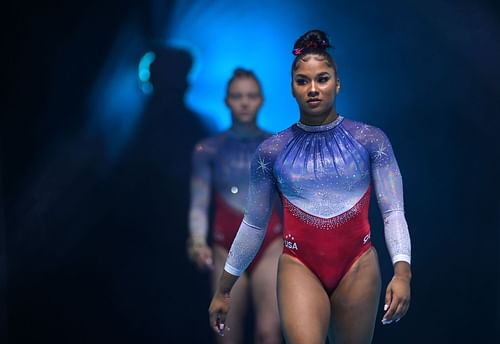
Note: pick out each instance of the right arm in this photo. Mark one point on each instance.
(198, 250)
(261, 197)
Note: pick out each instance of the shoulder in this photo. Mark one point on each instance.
(360, 127)
(365, 133)
(209, 145)
(275, 142)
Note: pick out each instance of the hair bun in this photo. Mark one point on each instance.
(311, 40)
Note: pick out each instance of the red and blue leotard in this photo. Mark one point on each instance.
(324, 176)
(222, 163)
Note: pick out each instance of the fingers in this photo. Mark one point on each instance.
(208, 261)
(219, 307)
(387, 306)
(396, 309)
(400, 311)
(205, 261)
(218, 322)
(202, 256)
(221, 324)
(389, 316)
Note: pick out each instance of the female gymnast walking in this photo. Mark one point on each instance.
(222, 162)
(323, 168)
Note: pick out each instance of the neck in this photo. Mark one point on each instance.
(321, 119)
(244, 129)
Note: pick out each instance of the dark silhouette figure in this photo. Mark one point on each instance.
(152, 274)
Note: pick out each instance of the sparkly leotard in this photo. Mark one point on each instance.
(324, 176)
(222, 162)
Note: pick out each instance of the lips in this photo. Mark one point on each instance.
(313, 101)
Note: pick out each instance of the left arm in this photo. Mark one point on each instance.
(388, 185)
(248, 240)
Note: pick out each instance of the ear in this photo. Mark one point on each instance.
(337, 89)
(293, 92)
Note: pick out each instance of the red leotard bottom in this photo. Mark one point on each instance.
(227, 221)
(328, 247)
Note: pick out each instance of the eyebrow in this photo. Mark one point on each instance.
(317, 75)
(239, 93)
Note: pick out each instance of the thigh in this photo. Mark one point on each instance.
(303, 303)
(263, 289)
(239, 300)
(355, 301)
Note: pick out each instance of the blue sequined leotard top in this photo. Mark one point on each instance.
(323, 171)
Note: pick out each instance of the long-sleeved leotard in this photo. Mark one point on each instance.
(324, 176)
(222, 162)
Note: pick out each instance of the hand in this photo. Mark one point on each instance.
(397, 299)
(219, 307)
(200, 254)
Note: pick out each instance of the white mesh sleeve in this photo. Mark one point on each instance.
(261, 196)
(397, 236)
(245, 246)
(388, 185)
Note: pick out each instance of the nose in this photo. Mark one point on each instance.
(313, 91)
(244, 102)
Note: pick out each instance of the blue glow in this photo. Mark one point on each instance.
(147, 88)
(258, 35)
(116, 101)
(144, 64)
(144, 73)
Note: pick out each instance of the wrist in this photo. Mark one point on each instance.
(402, 278)
(224, 292)
(226, 283)
(194, 246)
(197, 240)
(402, 271)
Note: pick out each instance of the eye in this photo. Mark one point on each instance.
(253, 96)
(323, 79)
(235, 96)
(301, 81)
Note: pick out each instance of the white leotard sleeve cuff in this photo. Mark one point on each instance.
(397, 236)
(245, 246)
(401, 258)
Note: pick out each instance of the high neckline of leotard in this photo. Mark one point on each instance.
(324, 127)
(245, 135)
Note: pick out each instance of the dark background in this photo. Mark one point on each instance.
(95, 254)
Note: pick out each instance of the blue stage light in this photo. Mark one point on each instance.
(143, 72)
(116, 102)
(255, 35)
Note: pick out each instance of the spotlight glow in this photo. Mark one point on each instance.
(254, 35)
(144, 74)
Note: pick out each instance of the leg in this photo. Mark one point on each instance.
(303, 303)
(239, 298)
(355, 301)
(263, 288)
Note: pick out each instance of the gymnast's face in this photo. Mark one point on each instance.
(244, 99)
(315, 86)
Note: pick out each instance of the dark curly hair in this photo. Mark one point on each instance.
(313, 42)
